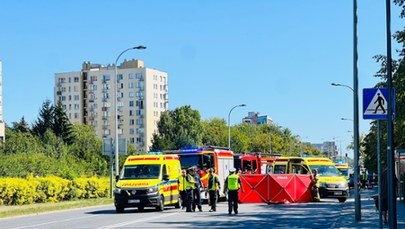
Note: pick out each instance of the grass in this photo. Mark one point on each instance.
(9, 211)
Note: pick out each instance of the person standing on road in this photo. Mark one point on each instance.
(197, 190)
(315, 186)
(182, 188)
(232, 185)
(189, 189)
(212, 189)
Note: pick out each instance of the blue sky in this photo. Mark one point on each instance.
(279, 57)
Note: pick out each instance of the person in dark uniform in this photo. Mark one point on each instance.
(189, 189)
(212, 189)
(197, 190)
(232, 186)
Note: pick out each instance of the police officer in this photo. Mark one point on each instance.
(197, 190)
(189, 189)
(182, 188)
(213, 187)
(232, 185)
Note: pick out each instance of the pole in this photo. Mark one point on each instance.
(116, 106)
(357, 204)
(392, 211)
(379, 172)
(229, 124)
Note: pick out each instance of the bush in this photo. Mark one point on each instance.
(19, 191)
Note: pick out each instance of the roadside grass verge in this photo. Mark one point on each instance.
(9, 211)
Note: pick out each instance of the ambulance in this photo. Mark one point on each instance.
(148, 181)
(333, 183)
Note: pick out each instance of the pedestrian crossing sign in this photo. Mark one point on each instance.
(375, 105)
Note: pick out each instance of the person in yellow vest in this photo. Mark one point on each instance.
(190, 185)
(315, 186)
(212, 189)
(182, 188)
(232, 186)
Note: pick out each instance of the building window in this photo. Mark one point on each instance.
(76, 79)
(131, 103)
(119, 77)
(131, 122)
(106, 77)
(131, 76)
(132, 94)
(131, 85)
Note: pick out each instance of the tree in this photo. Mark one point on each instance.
(61, 124)
(21, 126)
(45, 120)
(214, 132)
(178, 129)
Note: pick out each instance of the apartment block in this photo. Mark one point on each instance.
(2, 125)
(141, 95)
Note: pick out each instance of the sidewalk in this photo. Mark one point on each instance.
(369, 213)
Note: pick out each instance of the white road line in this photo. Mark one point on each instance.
(56, 221)
(137, 221)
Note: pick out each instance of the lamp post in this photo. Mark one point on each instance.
(229, 124)
(116, 106)
(357, 203)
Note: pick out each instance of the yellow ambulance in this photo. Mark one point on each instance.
(148, 181)
(332, 183)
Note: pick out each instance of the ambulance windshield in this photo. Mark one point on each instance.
(141, 172)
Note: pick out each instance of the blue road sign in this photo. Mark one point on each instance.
(375, 103)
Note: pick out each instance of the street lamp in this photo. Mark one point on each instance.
(229, 124)
(346, 119)
(116, 105)
(357, 204)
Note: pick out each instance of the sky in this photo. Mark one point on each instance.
(279, 57)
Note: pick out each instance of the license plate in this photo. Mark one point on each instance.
(337, 193)
(133, 201)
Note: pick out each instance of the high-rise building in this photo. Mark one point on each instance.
(89, 97)
(2, 126)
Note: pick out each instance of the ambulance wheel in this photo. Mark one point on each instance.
(161, 205)
(342, 199)
(119, 209)
(140, 208)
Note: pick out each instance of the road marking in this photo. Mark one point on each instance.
(56, 221)
(137, 221)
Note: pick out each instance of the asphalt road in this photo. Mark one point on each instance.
(322, 214)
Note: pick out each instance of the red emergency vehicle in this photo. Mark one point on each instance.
(203, 158)
(254, 163)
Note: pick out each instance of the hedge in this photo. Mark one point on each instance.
(19, 191)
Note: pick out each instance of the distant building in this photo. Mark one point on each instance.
(2, 126)
(328, 148)
(88, 97)
(255, 119)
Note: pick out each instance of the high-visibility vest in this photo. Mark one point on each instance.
(213, 180)
(182, 183)
(233, 183)
(190, 183)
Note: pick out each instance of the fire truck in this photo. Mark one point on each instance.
(204, 158)
(255, 163)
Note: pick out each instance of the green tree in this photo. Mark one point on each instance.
(214, 132)
(61, 124)
(177, 129)
(21, 126)
(45, 120)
